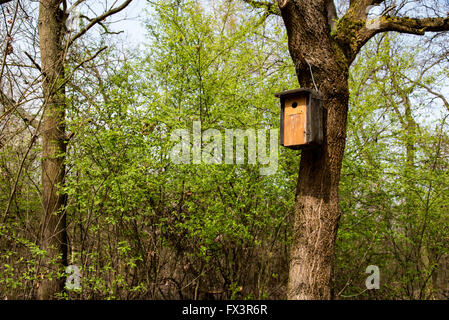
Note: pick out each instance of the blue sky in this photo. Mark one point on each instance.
(130, 21)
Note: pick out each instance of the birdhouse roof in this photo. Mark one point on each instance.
(295, 92)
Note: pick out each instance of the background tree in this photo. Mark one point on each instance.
(52, 24)
(55, 40)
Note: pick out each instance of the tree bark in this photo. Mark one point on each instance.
(51, 27)
(316, 203)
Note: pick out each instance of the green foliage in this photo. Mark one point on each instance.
(394, 181)
(191, 227)
(142, 227)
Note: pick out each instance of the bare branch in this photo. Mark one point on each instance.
(105, 28)
(77, 3)
(80, 65)
(97, 20)
(421, 84)
(13, 106)
(16, 182)
(33, 61)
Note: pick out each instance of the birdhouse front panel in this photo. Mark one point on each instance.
(295, 121)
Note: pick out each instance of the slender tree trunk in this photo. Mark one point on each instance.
(316, 204)
(51, 27)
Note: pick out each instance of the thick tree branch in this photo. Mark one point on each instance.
(98, 19)
(403, 25)
(331, 14)
(414, 25)
(353, 30)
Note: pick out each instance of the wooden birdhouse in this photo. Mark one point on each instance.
(301, 118)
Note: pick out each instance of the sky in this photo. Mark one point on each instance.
(134, 14)
(130, 20)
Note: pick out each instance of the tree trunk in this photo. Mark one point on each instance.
(51, 27)
(316, 203)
